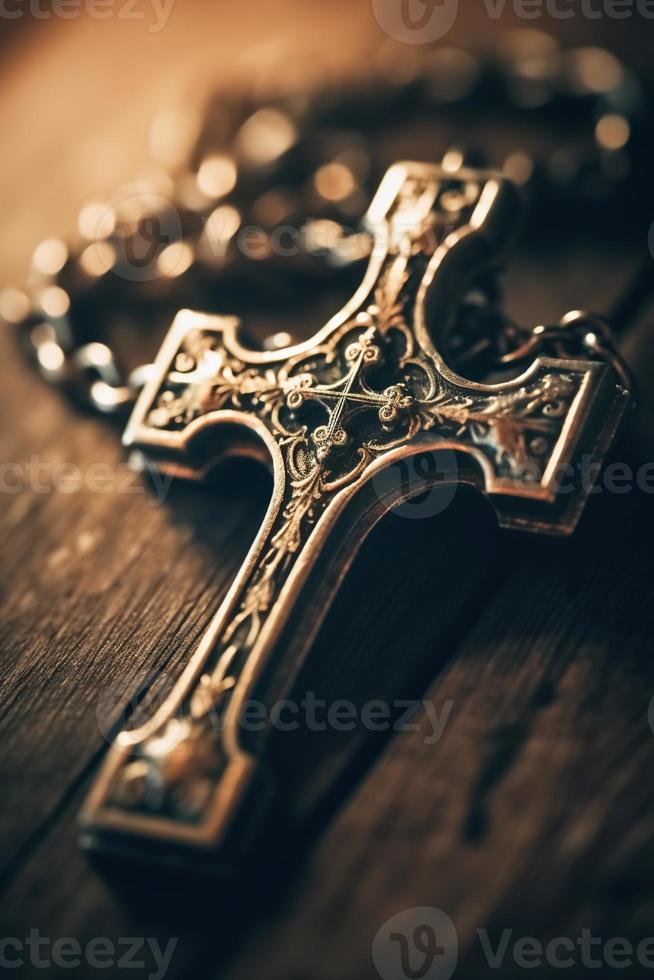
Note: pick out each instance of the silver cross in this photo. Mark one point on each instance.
(329, 415)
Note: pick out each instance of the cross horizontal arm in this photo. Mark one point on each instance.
(332, 414)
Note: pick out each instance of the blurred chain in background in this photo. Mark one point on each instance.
(256, 200)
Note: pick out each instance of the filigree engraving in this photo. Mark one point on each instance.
(368, 389)
(361, 394)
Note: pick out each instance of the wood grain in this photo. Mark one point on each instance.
(531, 812)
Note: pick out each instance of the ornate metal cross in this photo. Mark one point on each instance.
(330, 414)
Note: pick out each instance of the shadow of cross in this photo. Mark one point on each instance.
(333, 415)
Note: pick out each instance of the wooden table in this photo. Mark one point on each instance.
(531, 812)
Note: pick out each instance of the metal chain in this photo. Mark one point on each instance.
(171, 239)
(502, 343)
(580, 333)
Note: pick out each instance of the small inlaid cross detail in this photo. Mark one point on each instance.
(329, 414)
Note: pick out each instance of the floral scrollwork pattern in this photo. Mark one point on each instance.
(365, 390)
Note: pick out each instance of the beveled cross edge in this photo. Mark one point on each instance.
(480, 231)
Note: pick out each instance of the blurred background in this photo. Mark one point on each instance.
(78, 94)
(212, 118)
(139, 140)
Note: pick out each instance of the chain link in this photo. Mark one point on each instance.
(580, 333)
(264, 165)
